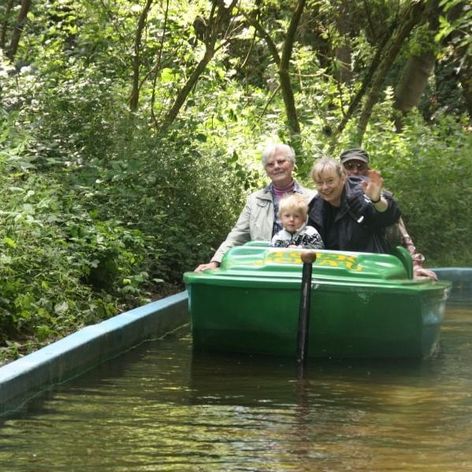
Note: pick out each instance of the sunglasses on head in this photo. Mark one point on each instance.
(350, 165)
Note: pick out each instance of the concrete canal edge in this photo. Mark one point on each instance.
(455, 274)
(461, 278)
(24, 378)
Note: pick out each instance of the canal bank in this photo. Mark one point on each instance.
(79, 352)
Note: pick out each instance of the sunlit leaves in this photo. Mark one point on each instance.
(461, 24)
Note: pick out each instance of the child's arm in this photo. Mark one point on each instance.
(312, 239)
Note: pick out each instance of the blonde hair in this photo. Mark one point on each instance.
(326, 163)
(295, 202)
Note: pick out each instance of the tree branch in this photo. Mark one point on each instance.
(218, 18)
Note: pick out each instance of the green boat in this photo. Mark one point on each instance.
(362, 305)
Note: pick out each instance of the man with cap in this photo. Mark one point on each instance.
(356, 162)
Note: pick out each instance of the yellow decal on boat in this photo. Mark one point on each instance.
(285, 256)
(339, 260)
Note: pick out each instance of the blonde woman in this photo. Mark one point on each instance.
(351, 213)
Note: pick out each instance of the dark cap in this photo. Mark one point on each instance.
(356, 154)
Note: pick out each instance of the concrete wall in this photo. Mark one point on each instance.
(81, 351)
(461, 277)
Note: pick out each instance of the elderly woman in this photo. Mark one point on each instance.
(259, 219)
(350, 212)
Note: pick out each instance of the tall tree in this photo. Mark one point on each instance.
(419, 66)
(216, 27)
(282, 60)
(366, 82)
(7, 12)
(343, 52)
(411, 16)
(134, 97)
(18, 28)
(456, 31)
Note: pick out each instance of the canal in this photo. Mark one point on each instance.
(160, 407)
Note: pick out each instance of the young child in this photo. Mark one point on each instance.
(293, 211)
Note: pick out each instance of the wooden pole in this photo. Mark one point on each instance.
(308, 257)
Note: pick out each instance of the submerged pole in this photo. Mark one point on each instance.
(308, 257)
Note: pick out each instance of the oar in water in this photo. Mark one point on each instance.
(308, 257)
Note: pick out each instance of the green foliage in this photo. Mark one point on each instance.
(459, 26)
(423, 41)
(64, 119)
(51, 252)
(176, 190)
(429, 171)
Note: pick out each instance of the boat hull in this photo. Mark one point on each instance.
(349, 317)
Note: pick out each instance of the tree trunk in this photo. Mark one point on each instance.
(134, 96)
(18, 29)
(462, 55)
(283, 63)
(417, 71)
(413, 82)
(284, 66)
(465, 78)
(154, 72)
(343, 72)
(412, 16)
(187, 88)
(356, 101)
(6, 15)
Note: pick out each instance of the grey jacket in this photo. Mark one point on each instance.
(256, 221)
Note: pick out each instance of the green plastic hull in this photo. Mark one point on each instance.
(362, 305)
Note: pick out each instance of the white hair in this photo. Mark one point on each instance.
(273, 149)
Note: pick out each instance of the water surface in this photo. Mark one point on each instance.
(162, 408)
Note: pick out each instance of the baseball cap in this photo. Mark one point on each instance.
(357, 154)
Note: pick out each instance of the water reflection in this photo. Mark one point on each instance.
(162, 408)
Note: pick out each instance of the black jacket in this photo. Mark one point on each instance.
(356, 225)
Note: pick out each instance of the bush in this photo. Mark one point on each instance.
(177, 193)
(61, 269)
(429, 171)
